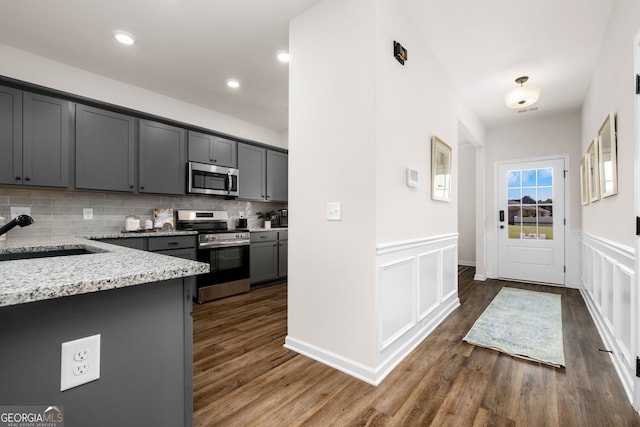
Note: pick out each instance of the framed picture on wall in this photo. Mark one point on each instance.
(440, 170)
(592, 171)
(584, 180)
(607, 157)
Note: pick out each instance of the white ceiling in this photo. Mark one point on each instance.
(186, 49)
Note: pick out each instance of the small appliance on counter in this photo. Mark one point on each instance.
(283, 217)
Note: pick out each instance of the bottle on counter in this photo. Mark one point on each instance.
(148, 225)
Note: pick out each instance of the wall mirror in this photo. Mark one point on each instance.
(607, 156)
(592, 170)
(440, 170)
(584, 181)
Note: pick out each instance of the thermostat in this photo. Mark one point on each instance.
(412, 177)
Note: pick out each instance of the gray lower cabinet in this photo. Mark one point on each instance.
(178, 246)
(268, 256)
(263, 174)
(162, 159)
(105, 150)
(35, 136)
(212, 149)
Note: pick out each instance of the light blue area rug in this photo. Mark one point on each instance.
(524, 324)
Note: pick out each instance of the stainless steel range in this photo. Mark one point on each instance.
(226, 251)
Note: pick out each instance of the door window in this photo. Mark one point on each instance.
(530, 203)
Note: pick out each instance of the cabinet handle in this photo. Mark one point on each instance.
(27, 178)
(131, 186)
(142, 188)
(172, 243)
(18, 178)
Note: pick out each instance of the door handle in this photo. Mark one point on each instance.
(501, 216)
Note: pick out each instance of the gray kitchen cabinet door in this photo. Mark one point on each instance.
(277, 176)
(46, 140)
(252, 166)
(105, 150)
(162, 158)
(211, 149)
(283, 258)
(10, 136)
(263, 261)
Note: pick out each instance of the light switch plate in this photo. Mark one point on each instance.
(334, 211)
(87, 213)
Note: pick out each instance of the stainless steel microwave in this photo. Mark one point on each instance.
(210, 179)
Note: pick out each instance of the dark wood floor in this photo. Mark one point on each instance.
(243, 376)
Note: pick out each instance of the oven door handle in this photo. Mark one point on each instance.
(217, 245)
(229, 182)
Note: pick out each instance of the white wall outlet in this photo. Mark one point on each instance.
(240, 214)
(79, 362)
(334, 211)
(20, 210)
(87, 213)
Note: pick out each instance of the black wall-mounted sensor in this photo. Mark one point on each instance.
(399, 52)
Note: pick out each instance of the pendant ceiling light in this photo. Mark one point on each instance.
(521, 97)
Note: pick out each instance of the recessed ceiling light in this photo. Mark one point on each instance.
(124, 38)
(234, 84)
(283, 57)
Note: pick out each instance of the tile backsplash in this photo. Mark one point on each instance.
(60, 212)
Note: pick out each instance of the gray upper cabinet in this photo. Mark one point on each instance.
(10, 136)
(263, 174)
(211, 149)
(105, 150)
(46, 133)
(162, 158)
(277, 176)
(252, 164)
(35, 134)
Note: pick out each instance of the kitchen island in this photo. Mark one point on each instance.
(140, 304)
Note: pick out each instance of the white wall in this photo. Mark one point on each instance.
(531, 137)
(609, 274)
(467, 210)
(363, 291)
(332, 152)
(612, 90)
(42, 71)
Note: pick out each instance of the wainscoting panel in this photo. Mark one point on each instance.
(608, 278)
(428, 296)
(417, 287)
(397, 296)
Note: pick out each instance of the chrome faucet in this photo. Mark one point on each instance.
(21, 220)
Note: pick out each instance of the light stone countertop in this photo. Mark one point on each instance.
(110, 267)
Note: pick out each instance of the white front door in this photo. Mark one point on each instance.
(531, 221)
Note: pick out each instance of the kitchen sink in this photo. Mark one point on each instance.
(12, 256)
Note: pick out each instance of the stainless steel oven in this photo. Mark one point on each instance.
(226, 251)
(210, 179)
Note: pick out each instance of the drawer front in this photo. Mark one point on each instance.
(263, 236)
(283, 235)
(130, 242)
(189, 253)
(171, 242)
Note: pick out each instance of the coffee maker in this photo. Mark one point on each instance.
(283, 218)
